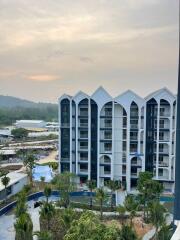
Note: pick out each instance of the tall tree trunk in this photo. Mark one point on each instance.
(111, 201)
(101, 206)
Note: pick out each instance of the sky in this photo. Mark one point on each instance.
(51, 47)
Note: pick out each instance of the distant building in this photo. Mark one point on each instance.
(105, 138)
(52, 126)
(17, 182)
(5, 135)
(30, 124)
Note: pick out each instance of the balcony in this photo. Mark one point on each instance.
(136, 163)
(83, 148)
(104, 173)
(163, 151)
(164, 126)
(65, 159)
(134, 114)
(164, 139)
(165, 114)
(65, 125)
(83, 125)
(134, 138)
(134, 126)
(83, 135)
(163, 164)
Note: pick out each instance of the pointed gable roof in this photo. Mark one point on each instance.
(125, 99)
(162, 93)
(80, 96)
(101, 97)
(65, 96)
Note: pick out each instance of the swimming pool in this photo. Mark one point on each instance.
(42, 171)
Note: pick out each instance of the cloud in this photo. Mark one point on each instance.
(42, 78)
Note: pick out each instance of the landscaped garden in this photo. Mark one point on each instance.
(90, 215)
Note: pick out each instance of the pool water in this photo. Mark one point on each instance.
(42, 171)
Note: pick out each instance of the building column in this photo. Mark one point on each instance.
(77, 135)
(89, 139)
(98, 149)
(128, 158)
(157, 139)
(70, 129)
(170, 140)
(59, 115)
(113, 142)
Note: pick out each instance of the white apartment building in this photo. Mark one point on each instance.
(104, 138)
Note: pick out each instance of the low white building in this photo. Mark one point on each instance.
(17, 182)
(5, 135)
(30, 124)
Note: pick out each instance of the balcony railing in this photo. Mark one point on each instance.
(85, 125)
(136, 163)
(164, 126)
(83, 136)
(134, 126)
(163, 164)
(85, 148)
(165, 114)
(65, 124)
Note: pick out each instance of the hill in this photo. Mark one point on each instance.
(11, 102)
(12, 109)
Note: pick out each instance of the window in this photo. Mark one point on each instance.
(107, 146)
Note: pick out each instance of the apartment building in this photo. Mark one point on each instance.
(104, 138)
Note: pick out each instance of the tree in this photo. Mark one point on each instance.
(19, 133)
(91, 185)
(47, 192)
(42, 181)
(5, 181)
(21, 206)
(113, 185)
(131, 205)
(66, 184)
(89, 227)
(29, 162)
(121, 210)
(157, 216)
(47, 212)
(101, 196)
(45, 235)
(165, 232)
(24, 227)
(149, 190)
(128, 233)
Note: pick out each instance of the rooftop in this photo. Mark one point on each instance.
(14, 177)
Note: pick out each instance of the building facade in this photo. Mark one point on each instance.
(104, 138)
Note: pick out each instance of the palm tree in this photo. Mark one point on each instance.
(157, 216)
(21, 206)
(43, 235)
(5, 181)
(47, 192)
(91, 185)
(131, 206)
(101, 196)
(29, 163)
(113, 185)
(121, 210)
(24, 228)
(47, 212)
